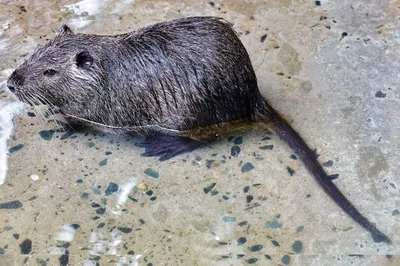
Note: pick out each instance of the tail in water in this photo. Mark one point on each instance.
(307, 156)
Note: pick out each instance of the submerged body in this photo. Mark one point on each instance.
(184, 80)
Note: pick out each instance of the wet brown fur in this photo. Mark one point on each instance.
(190, 77)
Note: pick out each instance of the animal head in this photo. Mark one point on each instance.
(63, 73)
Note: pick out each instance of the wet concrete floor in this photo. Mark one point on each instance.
(332, 67)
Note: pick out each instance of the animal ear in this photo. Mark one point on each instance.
(84, 59)
(63, 30)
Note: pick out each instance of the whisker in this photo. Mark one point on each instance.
(48, 102)
(33, 99)
(133, 128)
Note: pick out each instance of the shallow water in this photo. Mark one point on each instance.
(244, 200)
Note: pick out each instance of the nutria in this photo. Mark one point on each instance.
(180, 82)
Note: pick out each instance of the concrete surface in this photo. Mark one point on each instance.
(332, 69)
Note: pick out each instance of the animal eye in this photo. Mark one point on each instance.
(49, 72)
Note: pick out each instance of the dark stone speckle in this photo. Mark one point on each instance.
(125, 230)
(265, 138)
(247, 167)
(238, 140)
(108, 152)
(16, 236)
(91, 144)
(267, 147)
(75, 226)
(252, 261)
(290, 171)
(286, 259)
(275, 243)
(31, 114)
(235, 150)
(46, 134)
(102, 163)
(318, 3)
(50, 111)
(112, 188)
(249, 198)
(246, 189)
(150, 172)
(293, 157)
(274, 225)
(241, 240)
(209, 188)
(333, 177)
(243, 223)
(101, 211)
(64, 259)
(2, 251)
(16, 148)
(262, 39)
(297, 246)
(101, 225)
(209, 163)
(268, 257)
(15, 204)
(214, 192)
(230, 138)
(255, 248)
(395, 212)
(95, 205)
(33, 198)
(380, 94)
(300, 229)
(26, 246)
(328, 163)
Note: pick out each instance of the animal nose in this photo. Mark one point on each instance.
(11, 88)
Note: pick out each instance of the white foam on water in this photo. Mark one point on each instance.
(66, 234)
(58, 251)
(7, 111)
(85, 11)
(109, 245)
(123, 193)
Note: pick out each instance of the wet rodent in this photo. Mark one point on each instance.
(179, 82)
